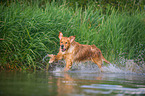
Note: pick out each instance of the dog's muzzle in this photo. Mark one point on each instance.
(62, 48)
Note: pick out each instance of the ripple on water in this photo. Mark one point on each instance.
(111, 88)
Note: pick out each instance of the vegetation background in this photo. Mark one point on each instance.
(29, 29)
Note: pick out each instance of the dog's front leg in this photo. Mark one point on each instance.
(59, 56)
(69, 63)
(55, 58)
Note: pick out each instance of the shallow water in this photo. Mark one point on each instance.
(72, 83)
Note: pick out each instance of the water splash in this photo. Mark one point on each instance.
(127, 67)
(112, 68)
(121, 66)
(44, 58)
(58, 69)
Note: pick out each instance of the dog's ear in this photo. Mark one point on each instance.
(60, 35)
(72, 38)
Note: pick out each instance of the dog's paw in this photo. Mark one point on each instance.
(50, 61)
(52, 58)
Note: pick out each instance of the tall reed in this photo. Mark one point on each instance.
(30, 31)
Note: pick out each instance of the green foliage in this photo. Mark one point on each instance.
(29, 31)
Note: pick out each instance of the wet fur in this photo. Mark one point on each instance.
(72, 51)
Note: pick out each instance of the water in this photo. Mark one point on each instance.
(72, 83)
(84, 79)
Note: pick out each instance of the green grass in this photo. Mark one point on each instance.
(31, 31)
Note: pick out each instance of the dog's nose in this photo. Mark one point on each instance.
(62, 46)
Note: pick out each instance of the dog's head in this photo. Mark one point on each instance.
(65, 42)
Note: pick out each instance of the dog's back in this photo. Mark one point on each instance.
(85, 52)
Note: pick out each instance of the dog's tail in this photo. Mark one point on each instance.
(105, 60)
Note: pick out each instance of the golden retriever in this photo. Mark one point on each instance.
(72, 51)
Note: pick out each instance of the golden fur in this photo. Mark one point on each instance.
(72, 51)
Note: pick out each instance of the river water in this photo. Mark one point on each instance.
(73, 83)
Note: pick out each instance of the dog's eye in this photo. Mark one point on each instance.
(65, 42)
(61, 42)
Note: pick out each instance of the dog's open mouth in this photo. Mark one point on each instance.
(63, 50)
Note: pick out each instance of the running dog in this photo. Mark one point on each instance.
(72, 51)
